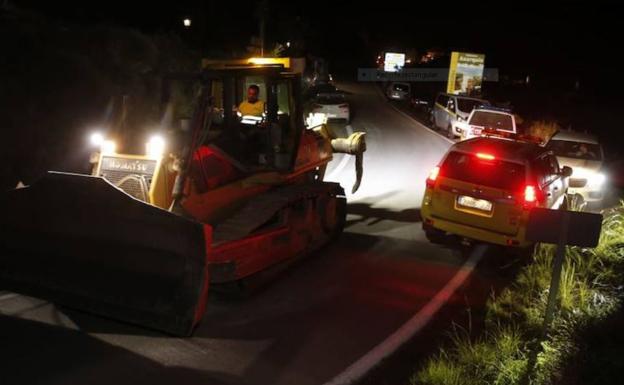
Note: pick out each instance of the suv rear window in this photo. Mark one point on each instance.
(492, 120)
(331, 99)
(492, 173)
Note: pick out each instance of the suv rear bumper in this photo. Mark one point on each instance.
(517, 240)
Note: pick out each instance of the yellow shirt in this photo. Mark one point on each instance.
(253, 109)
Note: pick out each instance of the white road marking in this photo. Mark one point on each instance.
(343, 162)
(361, 367)
(412, 118)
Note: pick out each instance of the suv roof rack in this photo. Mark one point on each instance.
(492, 133)
(490, 107)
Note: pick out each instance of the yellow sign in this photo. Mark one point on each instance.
(465, 73)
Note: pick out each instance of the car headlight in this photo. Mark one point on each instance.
(596, 180)
(155, 147)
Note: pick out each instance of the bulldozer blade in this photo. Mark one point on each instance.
(78, 241)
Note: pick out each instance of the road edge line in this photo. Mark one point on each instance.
(383, 97)
(409, 329)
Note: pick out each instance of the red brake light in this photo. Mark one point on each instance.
(530, 195)
(433, 175)
(485, 156)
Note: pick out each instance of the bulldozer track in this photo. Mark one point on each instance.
(259, 211)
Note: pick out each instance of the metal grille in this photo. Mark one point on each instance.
(578, 182)
(133, 176)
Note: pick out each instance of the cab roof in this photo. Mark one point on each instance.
(512, 150)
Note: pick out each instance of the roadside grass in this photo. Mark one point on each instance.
(513, 349)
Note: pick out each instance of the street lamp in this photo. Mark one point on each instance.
(187, 22)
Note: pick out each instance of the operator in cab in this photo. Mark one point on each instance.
(253, 106)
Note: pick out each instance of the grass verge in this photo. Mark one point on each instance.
(512, 350)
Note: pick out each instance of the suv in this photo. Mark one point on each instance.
(448, 109)
(484, 188)
(584, 155)
(487, 118)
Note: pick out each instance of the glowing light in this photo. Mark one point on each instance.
(433, 175)
(108, 147)
(597, 179)
(155, 147)
(485, 156)
(187, 22)
(285, 61)
(530, 195)
(96, 139)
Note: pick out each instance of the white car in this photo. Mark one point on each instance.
(482, 118)
(398, 91)
(334, 105)
(585, 156)
(448, 109)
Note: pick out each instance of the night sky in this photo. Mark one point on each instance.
(562, 40)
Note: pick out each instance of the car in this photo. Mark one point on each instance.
(584, 154)
(398, 91)
(484, 188)
(334, 105)
(448, 109)
(486, 119)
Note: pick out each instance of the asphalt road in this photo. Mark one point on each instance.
(313, 321)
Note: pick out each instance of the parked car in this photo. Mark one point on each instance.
(585, 156)
(484, 188)
(487, 118)
(448, 109)
(334, 105)
(398, 91)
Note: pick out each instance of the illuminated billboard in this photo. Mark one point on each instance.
(394, 62)
(466, 73)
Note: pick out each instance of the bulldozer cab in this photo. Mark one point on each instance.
(252, 143)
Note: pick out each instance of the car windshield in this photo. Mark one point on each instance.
(578, 150)
(484, 172)
(494, 120)
(400, 87)
(467, 105)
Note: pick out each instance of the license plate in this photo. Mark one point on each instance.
(476, 131)
(474, 203)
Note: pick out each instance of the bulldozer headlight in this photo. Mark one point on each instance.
(155, 147)
(108, 147)
(96, 139)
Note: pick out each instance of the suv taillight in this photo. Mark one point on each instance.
(530, 195)
(433, 175)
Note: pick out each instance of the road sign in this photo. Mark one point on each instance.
(545, 226)
(563, 228)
